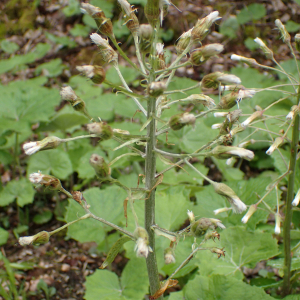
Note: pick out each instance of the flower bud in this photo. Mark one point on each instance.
(107, 53)
(224, 190)
(214, 80)
(179, 121)
(156, 88)
(268, 52)
(284, 34)
(38, 239)
(252, 209)
(169, 256)
(202, 54)
(100, 166)
(224, 152)
(231, 99)
(247, 60)
(142, 248)
(159, 60)
(145, 38)
(78, 104)
(183, 41)
(152, 11)
(50, 142)
(293, 112)
(202, 26)
(201, 99)
(95, 73)
(102, 129)
(297, 42)
(278, 141)
(46, 180)
(104, 24)
(131, 22)
(201, 226)
(297, 199)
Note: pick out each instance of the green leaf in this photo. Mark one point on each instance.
(104, 283)
(64, 41)
(54, 161)
(80, 30)
(171, 206)
(3, 236)
(229, 173)
(114, 250)
(65, 119)
(28, 100)
(175, 296)
(107, 203)
(254, 11)
(279, 264)
(133, 283)
(129, 75)
(72, 9)
(229, 27)
(5, 157)
(52, 68)
(221, 287)
(9, 47)
(16, 61)
(43, 218)
(21, 190)
(292, 26)
(243, 248)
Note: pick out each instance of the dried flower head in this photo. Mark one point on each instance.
(247, 60)
(278, 141)
(95, 73)
(268, 52)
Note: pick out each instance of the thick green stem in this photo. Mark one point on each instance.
(150, 202)
(288, 210)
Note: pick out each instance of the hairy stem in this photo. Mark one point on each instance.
(150, 202)
(288, 210)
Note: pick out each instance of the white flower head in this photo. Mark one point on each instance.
(238, 206)
(191, 216)
(216, 126)
(297, 199)
(252, 209)
(245, 93)
(220, 114)
(141, 248)
(87, 8)
(98, 40)
(230, 161)
(67, 93)
(213, 49)
(31, 147)
(284, 34)
(220, 210)
(169, 258)
(126, 7)
(260, 42)
(278, 141)
(87, 70)
(241, 152)
(213, 17)
(229, 79)
(277, 224)
(36, 177)
(160, 48)
(26, 240)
